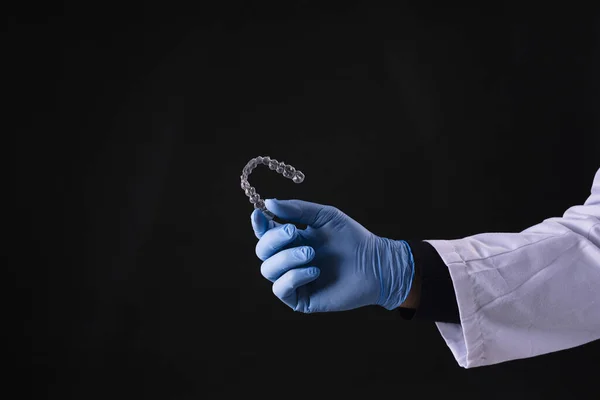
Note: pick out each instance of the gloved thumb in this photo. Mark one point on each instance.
(302, 212)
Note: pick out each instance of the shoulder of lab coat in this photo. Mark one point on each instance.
(529, 293)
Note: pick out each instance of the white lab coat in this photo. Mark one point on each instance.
(524, 294)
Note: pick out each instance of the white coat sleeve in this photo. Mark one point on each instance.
(524, 294)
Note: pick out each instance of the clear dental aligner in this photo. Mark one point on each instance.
(281, 168)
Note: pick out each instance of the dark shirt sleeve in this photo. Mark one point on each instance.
(438, 300)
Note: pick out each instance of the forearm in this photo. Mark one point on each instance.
(528, 293)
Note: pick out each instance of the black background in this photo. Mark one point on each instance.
(133, 256)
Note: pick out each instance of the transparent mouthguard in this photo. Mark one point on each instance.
(281, 168)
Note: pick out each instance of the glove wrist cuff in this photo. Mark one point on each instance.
(399, 276)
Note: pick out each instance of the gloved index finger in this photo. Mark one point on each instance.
(261, 224)
(274, 240)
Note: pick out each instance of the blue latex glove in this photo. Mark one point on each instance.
(335, 264)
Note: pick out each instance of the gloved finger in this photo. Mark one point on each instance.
(285, 287)
(274, 240)
(299, 211)
(260, 223)
(285, 260)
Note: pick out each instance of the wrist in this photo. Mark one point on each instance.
(414, 291)
(398, 275)
(413, 285)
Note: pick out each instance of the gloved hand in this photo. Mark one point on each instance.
(335, 264)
